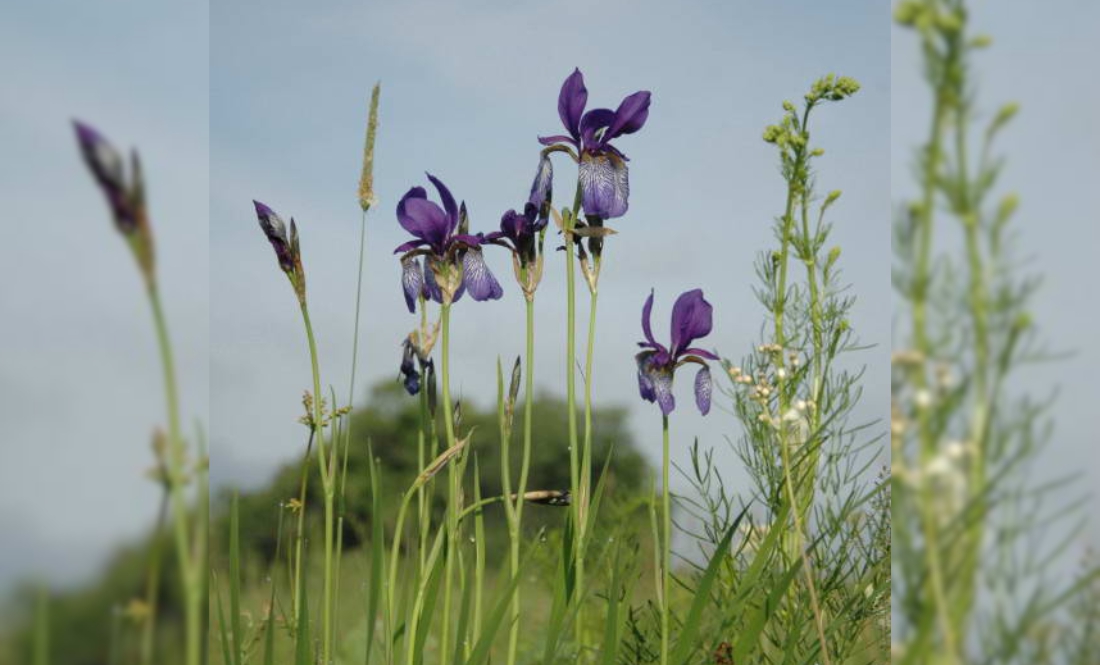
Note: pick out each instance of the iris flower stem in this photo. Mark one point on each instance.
(452, 503)
(586, 451)
(300, 536)
(421, 503)
(175, 458)
(666, 549)
(525, 465)
(152, 585)
(327, 487)
(571, 406)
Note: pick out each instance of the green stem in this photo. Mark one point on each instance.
(586, 452)
(525, 465)
(326, 482)
(152, 588)
(571, 401)
(192, 583)
(922, 279)
(452, 503)
(666, 549)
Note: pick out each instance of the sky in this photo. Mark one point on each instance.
(245, 100)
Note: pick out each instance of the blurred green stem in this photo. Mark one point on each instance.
(191, 574)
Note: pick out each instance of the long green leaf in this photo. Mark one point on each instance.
(690, 628)
(378, 554)
(235, 579)
(480, 653)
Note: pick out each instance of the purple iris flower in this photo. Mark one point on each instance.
(441, 237)
(604, 181)
(414, 367)
(124, 195)
(285, 244)
(519, 233)
(691, 320)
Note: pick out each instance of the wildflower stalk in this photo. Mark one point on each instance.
(190, 569)
(922, 281)
(328, 489)
(452, 478)
(666, 541)
(514, 502)
(571, 400)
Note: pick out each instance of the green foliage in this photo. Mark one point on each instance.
(391, 422)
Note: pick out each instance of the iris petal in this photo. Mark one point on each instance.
(412, 281)
(477, 277)
(645, 384)
(448, 202)
(691, 320)
(571, 102)
(275, 229)
(647, 311)
(704, 387)
(403, 217)
(631, 115)
(428, 221)
(605, 185)
(542, 187)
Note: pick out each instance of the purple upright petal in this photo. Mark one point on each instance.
(630, 116)
(448, 201)
(605, 185)
(477, 277)
(691, 320)
(571, 102)
(412, 281)
(407, 223)
(647, 312)
(704, 387)
(409, 246)
(427, 221)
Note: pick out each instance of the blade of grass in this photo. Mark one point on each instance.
(480, 653)
(690, 627)
(377, 557)
(235, 579)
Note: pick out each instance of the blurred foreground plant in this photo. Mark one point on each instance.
(177, 473)
(970, 574)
